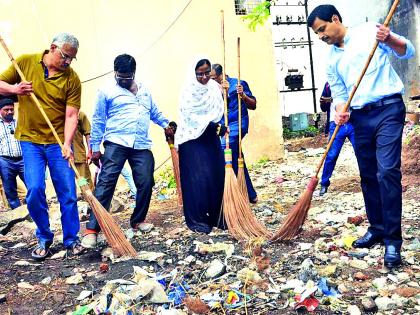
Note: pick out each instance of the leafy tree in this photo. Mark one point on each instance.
(258, 16)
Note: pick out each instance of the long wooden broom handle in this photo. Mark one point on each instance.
(224, 74)
(346, 107)
(38, 104)
(239, 98)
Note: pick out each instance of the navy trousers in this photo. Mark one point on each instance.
(378, 135)
(345, 131)
(10, 168)
(142, 164)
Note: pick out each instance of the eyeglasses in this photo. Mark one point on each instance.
(203, 74)
(117, 77)
(65, 56)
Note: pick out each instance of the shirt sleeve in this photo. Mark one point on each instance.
(86, 128)
(74, 92)
(98, 122)
(156, 115)
(10, 75)
(247, 90)
(409, 51)
(337, 86)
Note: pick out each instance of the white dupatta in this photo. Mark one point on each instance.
(198, 106)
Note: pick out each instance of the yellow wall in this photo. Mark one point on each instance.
(109, 27)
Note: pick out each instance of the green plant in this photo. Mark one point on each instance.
(258, 16)
(311, 131)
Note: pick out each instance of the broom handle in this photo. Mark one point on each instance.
(224, 76)
(346, 107)
(239, 98)
(35, 99)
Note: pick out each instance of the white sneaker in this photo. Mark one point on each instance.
(144, 227)
(90, 240)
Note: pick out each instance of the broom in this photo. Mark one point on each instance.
(240, 220)
(175, 166)
(113, 233)
(297, 216)
(241, 170)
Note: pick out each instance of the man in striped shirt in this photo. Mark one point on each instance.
(11, 161)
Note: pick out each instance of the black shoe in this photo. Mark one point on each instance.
(323, 190)
(392, 258)
(368, 240)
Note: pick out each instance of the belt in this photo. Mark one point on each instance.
(13, 158)
(382, 102)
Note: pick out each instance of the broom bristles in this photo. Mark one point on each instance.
(297, 216)
(241, 179)
(175, 166)
(238, 215)
(113, 233)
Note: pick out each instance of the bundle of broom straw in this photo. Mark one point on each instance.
(241, 165)
(238, 215)
(113, 233)
(297, 216)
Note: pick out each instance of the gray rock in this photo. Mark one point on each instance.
(369, 305)
(385, 303)
(9, 218)
(117, 205)
(215, 269)
(359, 264)
(353, 310)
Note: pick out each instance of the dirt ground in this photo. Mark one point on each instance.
(60, 298)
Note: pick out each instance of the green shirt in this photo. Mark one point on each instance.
(83, 129)
(54, 93)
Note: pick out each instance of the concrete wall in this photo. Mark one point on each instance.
(108, 28)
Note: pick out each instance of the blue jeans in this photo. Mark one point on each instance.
(36, 157)
(345, 131)
(234, 146)
(9, 169)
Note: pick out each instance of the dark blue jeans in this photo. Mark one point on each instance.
(36, 157)
(345, 131)
(378, 134)
(234, 146)
(142, 164)
(9, 169)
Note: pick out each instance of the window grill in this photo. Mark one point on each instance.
(244, 7)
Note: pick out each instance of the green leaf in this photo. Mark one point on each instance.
(259, 15)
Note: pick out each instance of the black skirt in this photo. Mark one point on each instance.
(202, 172)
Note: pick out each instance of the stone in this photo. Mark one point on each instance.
(328, 271)
(359, 264)
(353, 310)
(60, 255)
(215, 269)
(11, 217)
(117, 205)
(360, 276)
(25, 285)
(267, 213)
(407, 292)
(84, 294)
(369, 304)
(46, 281)
(403, 276)
(343, 288)
(149, 256)
(379, 283)
(76, 279)
(385, 303)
